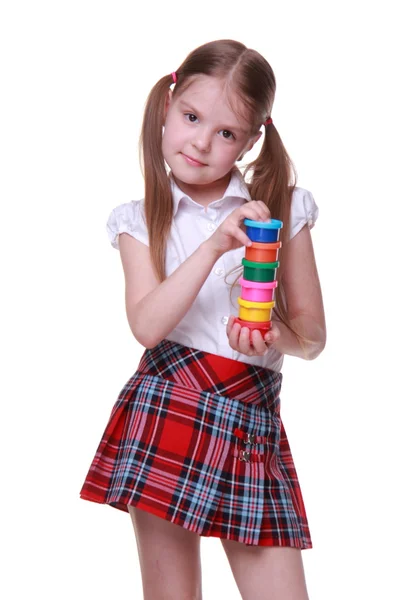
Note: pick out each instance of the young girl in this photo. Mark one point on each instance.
(195, 445)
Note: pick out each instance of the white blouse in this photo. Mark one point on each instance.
(204, 325)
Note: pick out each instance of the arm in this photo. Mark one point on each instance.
(304, 300)
(154, 309)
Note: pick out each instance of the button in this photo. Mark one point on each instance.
(224, 320)
(211, 226)
(219, 271)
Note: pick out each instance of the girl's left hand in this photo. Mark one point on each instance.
(239, 339)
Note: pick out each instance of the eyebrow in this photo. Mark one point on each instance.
(228, 127)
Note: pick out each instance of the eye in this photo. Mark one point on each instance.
(228, 135)
(191, 117)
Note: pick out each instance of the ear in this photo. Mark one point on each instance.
(253, 140)
(167, 103)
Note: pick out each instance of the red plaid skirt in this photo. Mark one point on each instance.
(197, 439)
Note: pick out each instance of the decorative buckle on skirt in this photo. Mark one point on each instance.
(250, 438)
(244, 455)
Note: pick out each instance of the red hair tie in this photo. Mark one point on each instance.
(268, 122)
(174, 78)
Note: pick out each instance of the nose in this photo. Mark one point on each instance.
(202, 140)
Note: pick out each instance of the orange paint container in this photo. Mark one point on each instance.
(260, 252)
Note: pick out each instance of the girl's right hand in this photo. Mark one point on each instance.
(231, 233)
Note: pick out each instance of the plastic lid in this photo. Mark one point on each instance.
(250, 304)
(265, 245)
(259, 285)
(261, 325)
(258, 265)
(273, 224)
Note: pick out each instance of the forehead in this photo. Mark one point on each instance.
(214, 98)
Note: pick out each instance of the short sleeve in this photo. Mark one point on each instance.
(127, 218)
(303, 210)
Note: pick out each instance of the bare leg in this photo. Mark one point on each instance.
(169, 558)
(267, 573)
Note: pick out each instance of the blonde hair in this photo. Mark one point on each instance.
(271, 177)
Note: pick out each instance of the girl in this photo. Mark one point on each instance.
(195, 445)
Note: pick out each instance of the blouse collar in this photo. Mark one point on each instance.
(237, 188)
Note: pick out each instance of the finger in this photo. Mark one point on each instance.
(273, 335)
(229, 325)
(262, 209)
(234, 336)
(269, 340)
(244, 342)
(247, 211)
(254, 215)
(258, 341)
(238, 233)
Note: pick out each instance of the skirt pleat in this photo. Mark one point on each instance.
(197, 439)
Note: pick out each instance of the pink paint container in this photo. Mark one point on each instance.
(258, 291)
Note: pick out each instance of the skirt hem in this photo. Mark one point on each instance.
(195, 529)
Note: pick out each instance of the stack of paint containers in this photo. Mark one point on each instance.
(259, 282)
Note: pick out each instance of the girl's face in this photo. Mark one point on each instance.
(203, 137)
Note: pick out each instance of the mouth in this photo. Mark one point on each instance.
(192, 161)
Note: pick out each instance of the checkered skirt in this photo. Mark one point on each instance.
(197, 439)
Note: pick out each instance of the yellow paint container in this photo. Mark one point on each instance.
(255, 311)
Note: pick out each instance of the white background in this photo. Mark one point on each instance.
(75, 76)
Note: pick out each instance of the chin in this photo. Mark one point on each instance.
(190, 175)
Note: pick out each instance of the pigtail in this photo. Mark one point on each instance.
(157, 190)
(273, 181)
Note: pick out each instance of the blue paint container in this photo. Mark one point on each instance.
(260, 231)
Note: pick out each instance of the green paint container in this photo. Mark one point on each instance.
(254, 271)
